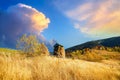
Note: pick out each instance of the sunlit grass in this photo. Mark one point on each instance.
(95, 55)
(51, 68)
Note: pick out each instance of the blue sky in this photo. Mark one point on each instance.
(69, 22)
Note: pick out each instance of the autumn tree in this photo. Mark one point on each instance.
(30, 44)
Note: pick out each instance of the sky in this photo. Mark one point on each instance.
(68, 22)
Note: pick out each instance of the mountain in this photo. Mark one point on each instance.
(109, 42)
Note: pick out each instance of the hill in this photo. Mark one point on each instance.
(109, 42)
(17, 66)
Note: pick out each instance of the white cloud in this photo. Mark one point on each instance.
(93, 17)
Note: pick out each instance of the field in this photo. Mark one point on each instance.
(95, 55)
(21, 67)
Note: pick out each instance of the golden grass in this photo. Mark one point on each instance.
(51, 68)
(95, 55)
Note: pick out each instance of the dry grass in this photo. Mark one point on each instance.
(51, 68)
(95, 55)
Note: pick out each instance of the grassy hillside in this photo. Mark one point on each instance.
(21, 67)
(6, 50)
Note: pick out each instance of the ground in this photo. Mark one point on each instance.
(21, 67)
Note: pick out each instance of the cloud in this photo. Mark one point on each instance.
(96, 18)
(29, 16)
(21, 19)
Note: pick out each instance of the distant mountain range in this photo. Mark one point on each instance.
(109, 42)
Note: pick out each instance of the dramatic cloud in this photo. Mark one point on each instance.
(96, 18)
(29, 17)
(21, 19)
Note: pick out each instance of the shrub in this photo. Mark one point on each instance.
(86, 54)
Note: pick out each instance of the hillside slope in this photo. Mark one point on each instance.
(109, 42)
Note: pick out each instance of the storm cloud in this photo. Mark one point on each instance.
(18, 20)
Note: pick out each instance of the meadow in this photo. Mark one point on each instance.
(21, 67)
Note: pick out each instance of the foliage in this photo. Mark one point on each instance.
(30, 44)
(86, 54)
(116, 48)
(97, 54)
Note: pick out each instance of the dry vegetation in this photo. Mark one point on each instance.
(94, 55)
(20, 67)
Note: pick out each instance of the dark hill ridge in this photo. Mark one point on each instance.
(109, 42)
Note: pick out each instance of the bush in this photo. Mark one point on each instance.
(86, 54)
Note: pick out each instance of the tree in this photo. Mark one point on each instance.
(43, 49)
(30, 44)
